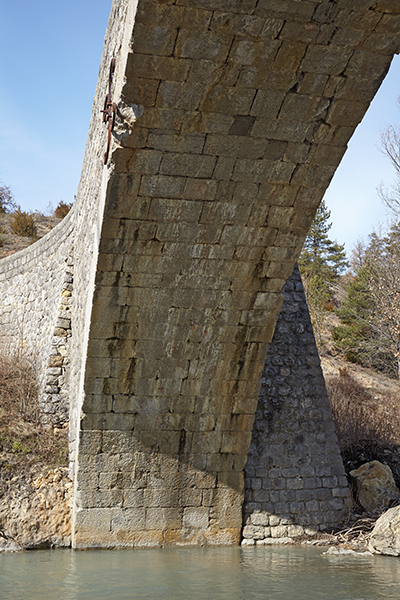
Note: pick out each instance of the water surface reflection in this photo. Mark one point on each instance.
(276, 573)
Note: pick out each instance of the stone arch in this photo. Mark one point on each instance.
(231, 118)
(231, 121)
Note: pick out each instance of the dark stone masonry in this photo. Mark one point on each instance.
(294, 476)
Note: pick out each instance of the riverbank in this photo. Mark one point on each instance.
(35, 510)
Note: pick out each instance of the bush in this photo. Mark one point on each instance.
(22, 436)
(23, 224)
(62, 209)
(367, 428)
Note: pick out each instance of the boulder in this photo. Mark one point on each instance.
(375, 485)
(385, 536)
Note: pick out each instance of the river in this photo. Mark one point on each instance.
(267, 573)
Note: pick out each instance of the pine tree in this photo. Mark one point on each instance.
(320, 256)
(321, 263)
(355, 335)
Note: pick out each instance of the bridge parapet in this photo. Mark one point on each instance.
(35, 314)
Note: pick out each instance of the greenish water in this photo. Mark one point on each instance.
(278, 573)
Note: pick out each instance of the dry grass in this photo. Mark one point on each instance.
(24, 442)
(368, 428)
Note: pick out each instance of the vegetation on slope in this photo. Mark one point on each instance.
(19, 228)
(24, 443)
(356, 318)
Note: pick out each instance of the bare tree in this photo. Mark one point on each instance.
(370, 312)
(7, 202)
(384, 287)
(390, 147)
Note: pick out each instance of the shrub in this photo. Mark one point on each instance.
(22, 436)
(367, 428)
(23, 224)
(62, 209)
(357, 414)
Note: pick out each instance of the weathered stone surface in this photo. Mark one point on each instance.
(35, 512)
(232, 117)
(375, 485)
(35, 311)
(385, 536)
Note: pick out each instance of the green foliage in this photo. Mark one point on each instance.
(320, 256)
(321, 262)
(23, 224)
(19, 448)
(355, 312)
(317, 294)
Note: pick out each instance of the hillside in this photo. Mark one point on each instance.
(365, 406)
(11, 243)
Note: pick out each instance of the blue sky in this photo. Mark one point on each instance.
(352, 197)
(50, 53)
(50, 58)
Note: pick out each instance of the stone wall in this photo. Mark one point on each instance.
(90, 206)
(35, 313)
(295, 481)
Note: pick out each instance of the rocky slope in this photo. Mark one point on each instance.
(35, 510)
(11, 243)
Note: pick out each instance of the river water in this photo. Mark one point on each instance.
(260, 573)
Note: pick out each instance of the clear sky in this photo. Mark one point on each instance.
(352, 197)
(50, 55)
(50, 58)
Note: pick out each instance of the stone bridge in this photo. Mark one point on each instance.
(231, 118)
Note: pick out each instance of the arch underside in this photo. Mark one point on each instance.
(232, 118)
